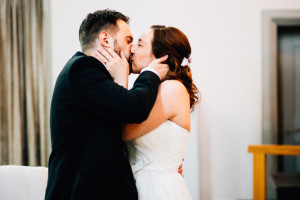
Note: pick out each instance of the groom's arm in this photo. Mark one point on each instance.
(96, 92)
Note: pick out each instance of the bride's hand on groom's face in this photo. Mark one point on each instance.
(117, 66)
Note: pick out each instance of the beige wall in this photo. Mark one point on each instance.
(227, 66)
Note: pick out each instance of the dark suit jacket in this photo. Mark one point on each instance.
(87, 159)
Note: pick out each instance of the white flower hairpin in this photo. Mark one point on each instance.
(186, 62)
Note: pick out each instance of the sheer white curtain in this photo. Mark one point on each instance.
(24, 93)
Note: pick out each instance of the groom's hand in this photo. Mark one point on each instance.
(117, 66)
(180, 170)
(159, 68)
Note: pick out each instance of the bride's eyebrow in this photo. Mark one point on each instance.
(140, 40)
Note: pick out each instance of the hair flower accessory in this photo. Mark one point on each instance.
(185, 62)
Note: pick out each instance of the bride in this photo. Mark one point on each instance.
(157, 146)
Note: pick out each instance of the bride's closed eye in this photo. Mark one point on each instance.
(140, 41)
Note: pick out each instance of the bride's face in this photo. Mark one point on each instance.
(142, 54)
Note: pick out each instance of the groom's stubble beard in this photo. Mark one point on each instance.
(118, 51)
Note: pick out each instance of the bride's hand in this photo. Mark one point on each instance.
(117, 66)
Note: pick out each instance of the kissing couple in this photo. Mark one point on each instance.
(112, 143)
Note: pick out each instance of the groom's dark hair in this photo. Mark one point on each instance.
(96, 22)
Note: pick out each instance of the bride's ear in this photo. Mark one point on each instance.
(105, 39)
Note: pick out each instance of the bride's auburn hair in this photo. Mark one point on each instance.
(174, 43)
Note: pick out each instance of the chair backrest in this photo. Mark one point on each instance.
(23, 182)
(259, 164)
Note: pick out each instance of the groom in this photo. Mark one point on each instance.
(87, 109)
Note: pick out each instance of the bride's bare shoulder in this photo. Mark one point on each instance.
(173, 88)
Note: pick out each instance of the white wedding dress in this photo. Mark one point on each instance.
(155, 158)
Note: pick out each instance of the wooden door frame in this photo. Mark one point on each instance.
(271, 19)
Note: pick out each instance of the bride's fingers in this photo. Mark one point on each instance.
(100, 57)
(112, 52)
(123, 56)
(98, 50)
(105, 53)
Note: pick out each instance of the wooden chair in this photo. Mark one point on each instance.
(259, 164)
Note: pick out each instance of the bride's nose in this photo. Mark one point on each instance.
(133, 48)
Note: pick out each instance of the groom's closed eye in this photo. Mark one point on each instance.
(129, 39)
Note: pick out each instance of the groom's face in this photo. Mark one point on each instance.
(123, 39)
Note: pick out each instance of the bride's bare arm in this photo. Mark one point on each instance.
(172, 101)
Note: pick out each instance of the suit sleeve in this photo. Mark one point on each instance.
(96, 92)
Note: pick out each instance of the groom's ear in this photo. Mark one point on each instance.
(104, 39)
